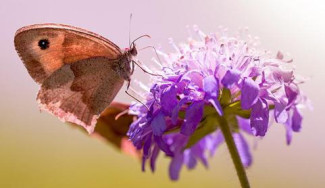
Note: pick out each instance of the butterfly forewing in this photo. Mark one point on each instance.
(65, 45)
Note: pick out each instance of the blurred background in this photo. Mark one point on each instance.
(37, 150)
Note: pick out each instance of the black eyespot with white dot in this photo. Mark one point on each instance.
(44, 44)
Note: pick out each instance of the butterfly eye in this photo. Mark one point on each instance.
(44, 44)
(133, 51)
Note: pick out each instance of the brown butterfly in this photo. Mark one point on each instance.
(80, 72)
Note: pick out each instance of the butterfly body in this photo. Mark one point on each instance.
(80, 72)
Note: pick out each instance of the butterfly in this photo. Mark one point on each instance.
(79, 72)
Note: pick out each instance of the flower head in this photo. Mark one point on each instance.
(210, 77)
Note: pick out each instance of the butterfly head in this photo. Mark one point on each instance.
(133, 50)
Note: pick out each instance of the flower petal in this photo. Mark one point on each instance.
(211, 86)
(147, 146)
(198, 152)
(168, 100)
(260, 117)
(175, 166)
(244, 125)
(176, 110)
(158, 124)
(189, 159)
(291, 92)
(217, 140)
(288, 128)
(243, 149)
(216, 104)
(153, 158)
(296, 120)
(211, 89)
(231, 77)
(193, 117)
(249, 93)
(280, 112)
(162, 145)
(143, 164)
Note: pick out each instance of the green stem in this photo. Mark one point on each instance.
(234, 153)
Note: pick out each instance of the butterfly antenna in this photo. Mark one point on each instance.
(132, 43)
(130, 29)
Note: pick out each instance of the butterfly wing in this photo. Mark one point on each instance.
(75, 68)
(80, 91)
(65, 45)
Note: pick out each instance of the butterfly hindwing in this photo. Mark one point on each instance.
(80, 91)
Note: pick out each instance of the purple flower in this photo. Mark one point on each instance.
(209, 78)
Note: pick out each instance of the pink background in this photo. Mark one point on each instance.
(37, 150)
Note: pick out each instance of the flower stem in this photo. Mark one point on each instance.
(234, 153)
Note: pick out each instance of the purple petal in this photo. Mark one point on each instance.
(280, 112)
(211, 86)
(135, 131)
(216, 104)
(168, 100)
(244, 63)
(198, 152)
(288, 131)
(153, 158)
(194, 76)
(243, 149)
(189, 159)
(283, 75)
(177, 142)
(193, 117)
(255, 71)
(211, 89)
(176, 110)
(249, 93)
(175, 166)
(147, 146)
(244, 125)
(291, 92)
(143, 164)
(288, 136)
(217, 141)
(260, 117)
(162, 145)
(231, 77)
(296, 120)
(158, 124)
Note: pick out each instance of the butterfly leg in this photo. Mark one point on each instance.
(132, 70)
(127, 92)
(143, 69)
(154, 49)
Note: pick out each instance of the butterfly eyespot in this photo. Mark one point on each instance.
(44, 44)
